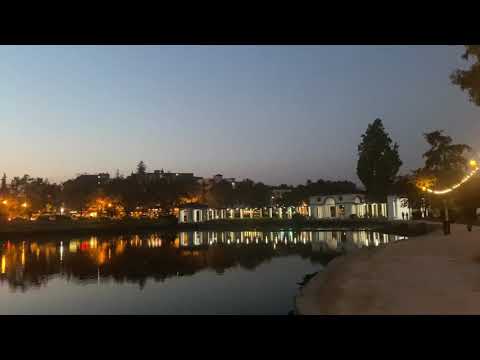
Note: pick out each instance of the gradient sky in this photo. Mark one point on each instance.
(277, 114)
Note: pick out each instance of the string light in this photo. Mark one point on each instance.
(473, 163)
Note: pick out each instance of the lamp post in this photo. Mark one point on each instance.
(446, 222)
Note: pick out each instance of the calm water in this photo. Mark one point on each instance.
(168, 273)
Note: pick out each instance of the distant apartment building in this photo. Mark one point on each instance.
(91, 179)
(216, 179)
(278, 194)
(167, 176)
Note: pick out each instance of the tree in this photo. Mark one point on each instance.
(406, 185)
(3, 187)
(467, 196)
(76, 192)
(444, 162)
(378, 161)
(469, 80)
(300, 194)
(141, 168)
(220, 194)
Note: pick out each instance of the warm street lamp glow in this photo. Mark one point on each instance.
(24, 205)
(4, 202)
(473, 163)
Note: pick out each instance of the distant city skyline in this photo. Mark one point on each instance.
(275, 114)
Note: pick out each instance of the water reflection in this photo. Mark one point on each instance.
(159, 256)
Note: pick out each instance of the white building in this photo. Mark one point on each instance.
(319, 207)
(356, 205)
(398, 208)
(192, 213)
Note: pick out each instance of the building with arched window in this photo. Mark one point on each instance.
(192, 213)
(356, 205)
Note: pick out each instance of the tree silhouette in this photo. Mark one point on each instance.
(469, 80)
(444, 161)
(141, 168)
(3, 187)
(378, 161)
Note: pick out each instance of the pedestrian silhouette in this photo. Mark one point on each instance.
(403, 216)
(470, 216)
(406, 215)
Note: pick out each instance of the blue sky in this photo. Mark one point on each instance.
(277, 114)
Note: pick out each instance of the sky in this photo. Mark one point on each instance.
(276, 114)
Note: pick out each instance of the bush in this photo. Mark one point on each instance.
(299, 218)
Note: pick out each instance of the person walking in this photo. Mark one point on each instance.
(470, 214)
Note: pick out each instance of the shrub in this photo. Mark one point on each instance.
(299, 218)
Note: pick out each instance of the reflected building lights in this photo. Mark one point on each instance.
(198, 249)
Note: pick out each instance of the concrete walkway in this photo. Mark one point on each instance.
(430, 274)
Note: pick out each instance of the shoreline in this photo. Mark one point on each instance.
(430, 274)
(15, 230)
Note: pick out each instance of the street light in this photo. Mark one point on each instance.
(473, 163)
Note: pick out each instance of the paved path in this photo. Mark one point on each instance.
(430, 274)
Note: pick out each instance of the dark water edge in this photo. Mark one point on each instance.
(302, 284)
(307, 278)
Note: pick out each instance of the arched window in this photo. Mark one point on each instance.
(329, 201)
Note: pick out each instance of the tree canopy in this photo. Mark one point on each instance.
(445, 162)
(378, 161)
(141, 168)
(469, 80)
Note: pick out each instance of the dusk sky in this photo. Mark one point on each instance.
(276, 114)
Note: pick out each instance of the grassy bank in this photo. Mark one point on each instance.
(86, 227)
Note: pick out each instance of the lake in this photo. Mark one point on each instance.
(214, 272)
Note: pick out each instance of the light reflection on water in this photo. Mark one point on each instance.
(187, 272)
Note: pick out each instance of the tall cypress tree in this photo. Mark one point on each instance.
(141, 168)
(378, 161)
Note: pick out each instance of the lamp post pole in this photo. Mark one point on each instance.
(446, 222)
